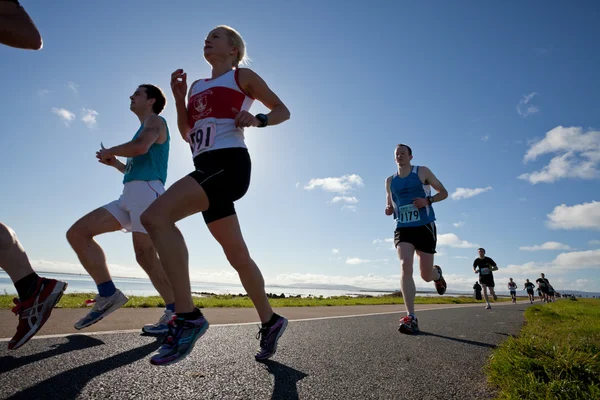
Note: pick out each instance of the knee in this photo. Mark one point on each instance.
(238, 257)
(7, 237)
(152, 221)
(407, 268)
(76, 235)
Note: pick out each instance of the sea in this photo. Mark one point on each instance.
(83, 283)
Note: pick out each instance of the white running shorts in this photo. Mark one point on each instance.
(136, 197)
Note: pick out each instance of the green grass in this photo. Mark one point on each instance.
(77, 300)
(555, 356)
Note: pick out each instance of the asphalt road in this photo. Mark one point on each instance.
(339, 358)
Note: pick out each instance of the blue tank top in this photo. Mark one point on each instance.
(404, 190)
(150, 166)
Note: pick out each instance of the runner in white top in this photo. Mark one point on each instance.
(213, 123)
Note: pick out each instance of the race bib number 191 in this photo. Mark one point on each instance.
(408, 213)
(202, 136)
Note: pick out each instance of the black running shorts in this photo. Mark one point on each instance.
(423, 237)
(224, 174)
(487, 280)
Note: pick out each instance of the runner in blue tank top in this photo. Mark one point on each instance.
(408, 195)
(144, 177)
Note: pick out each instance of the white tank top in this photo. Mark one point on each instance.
(211, 116)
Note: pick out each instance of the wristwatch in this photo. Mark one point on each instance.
(264, 120)
(430, 199)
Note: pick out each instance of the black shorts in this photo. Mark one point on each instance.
(544, 289)
(513, 292)
(423, 237)
(487, 280)
(529, 291)
(224, 174)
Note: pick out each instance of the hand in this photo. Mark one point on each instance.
(105, 157)
(389, 210)
(179, 87)
(244, 119)
(474, 271)
(420, 202)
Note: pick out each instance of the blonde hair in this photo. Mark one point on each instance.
(236, 40)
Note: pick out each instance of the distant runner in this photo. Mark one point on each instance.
(485, 267)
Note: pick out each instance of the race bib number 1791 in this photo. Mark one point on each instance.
(202, 136)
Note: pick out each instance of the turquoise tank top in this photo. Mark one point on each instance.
(151, 166)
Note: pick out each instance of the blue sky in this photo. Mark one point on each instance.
(499, 100)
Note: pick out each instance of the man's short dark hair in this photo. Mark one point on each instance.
(408, 147)
(154, 92)
(482, 249)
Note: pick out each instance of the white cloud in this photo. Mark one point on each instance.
(335, 251)
(524, 108)
(64, 114)
(564, 166)
(460, 257)
(577, 155)
(351, 208)
(465, 193)
(347, 199)
(342, 184)
(564, 263)
(73, 86)
(297, 184)
(594, 242)
(546, 246)
(88, 116)
(485, 138)
(451, 240)
(561, 139)
(357, 261)
(371, 281)
(458, 224)
(43, 92)
(579, 216)
(379, 241)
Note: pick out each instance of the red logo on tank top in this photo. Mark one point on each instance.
(200, 104)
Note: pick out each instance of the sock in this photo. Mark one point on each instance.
(25, 286)
(171, 307)
(196, 314)
(272, 321)
(439, 275)
(107, 289)
(413, 316)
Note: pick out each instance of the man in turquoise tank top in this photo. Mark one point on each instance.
(145, 174)
(408, 198)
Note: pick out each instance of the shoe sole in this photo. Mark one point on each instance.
(283, 328)
(189, 350)
(106, 314)
(441, 278)
(58, 291)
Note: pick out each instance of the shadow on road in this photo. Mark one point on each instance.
(68, 385)
(286, 379)
(75, 342)
(466, 341)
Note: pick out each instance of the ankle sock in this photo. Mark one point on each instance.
(106, 289)
(196, 314)
(272, 321)
(26, 286)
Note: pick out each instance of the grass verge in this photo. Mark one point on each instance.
(77, 300)
(555, 356)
